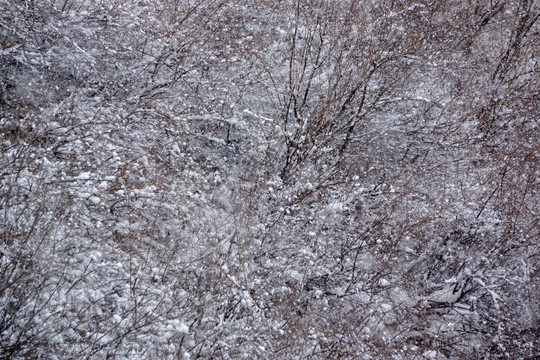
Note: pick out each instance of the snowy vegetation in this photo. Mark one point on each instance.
(294, 179)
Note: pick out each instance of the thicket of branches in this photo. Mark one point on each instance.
(255, 179)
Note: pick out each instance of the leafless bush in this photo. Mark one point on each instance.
(307, 179)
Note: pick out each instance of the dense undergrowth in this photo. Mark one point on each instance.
(269, 179)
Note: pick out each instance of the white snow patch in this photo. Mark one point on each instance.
(181, 327)
(295, 275)
(430, 354)
(84, 176)
(449, 294)
(335, 207)
(94, 199)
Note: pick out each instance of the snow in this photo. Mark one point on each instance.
(292, 182)
(449, 294)
(431, 354)
(94, 199)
